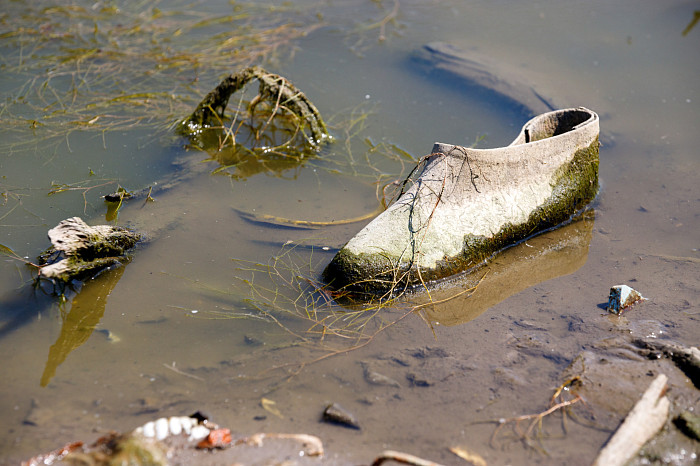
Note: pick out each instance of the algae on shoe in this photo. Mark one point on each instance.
(468, 204)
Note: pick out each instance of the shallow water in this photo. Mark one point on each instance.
(182, 302)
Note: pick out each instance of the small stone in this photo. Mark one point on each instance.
(336, 414)
(375, 378)
(418, 381)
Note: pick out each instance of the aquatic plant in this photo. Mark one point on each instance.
(112, 66)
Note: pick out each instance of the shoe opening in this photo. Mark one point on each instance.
(555, 123)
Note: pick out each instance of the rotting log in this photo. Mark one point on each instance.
(79, 251)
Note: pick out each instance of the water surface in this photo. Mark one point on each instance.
(175, 330)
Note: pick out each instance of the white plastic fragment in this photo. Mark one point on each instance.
(187, 424)
(165, 427)
(622, 296)
(175, 426)
(198, 432)
(162, 428)
(148, 430)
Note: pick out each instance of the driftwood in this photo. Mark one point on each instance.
(646, 418)
(79, 250)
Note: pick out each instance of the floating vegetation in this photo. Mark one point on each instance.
(138, 68)
(101, 68)
(112, 66)
(283, 287)
(364, 32)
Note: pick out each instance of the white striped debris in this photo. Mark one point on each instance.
(621, 297)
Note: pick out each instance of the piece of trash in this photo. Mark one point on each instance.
(336, 414)
(269, 406)
(403, 458)
(621, 297)
(163, 428)
(466, 455)
(460, 205)
(273, 89)
(217, 438)
(178, 440)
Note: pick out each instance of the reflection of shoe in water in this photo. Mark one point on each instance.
(552, 254)
(468, 203)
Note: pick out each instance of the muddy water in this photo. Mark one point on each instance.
(175, 331)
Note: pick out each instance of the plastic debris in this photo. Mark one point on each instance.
(163, 428)
(217, 438)
(621, 297)
(180, 440)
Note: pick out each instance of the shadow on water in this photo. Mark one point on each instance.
(480, 77)
(20, 307)
(81, 306)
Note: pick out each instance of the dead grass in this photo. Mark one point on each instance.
(109, 67)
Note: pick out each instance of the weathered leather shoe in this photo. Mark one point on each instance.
(467, 204)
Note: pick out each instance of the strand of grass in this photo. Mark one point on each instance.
(307, 310)
(300, 366)
(60, 188)
(470, 290)
(178, 371)
(535, 421)
(79, 57)
(277, 221)
(4, 250)
(391, 17)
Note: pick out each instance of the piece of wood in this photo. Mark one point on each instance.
(646, 418)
